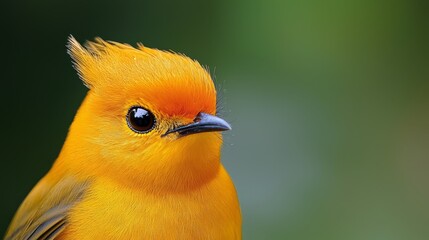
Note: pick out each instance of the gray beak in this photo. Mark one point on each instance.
(202, 123)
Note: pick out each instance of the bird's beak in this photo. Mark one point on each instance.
(202, 123)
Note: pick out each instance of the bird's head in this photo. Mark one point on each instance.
(149, 118)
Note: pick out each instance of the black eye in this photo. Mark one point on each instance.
(140, 120)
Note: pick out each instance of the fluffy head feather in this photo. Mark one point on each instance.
(173, 83)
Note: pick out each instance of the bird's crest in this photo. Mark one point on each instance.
(176, 81)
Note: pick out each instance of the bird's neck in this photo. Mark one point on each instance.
(186, 174)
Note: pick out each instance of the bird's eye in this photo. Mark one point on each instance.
(140, 120)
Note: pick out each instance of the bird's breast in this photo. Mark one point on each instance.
(112, 211)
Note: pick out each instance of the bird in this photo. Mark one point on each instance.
(142, 157)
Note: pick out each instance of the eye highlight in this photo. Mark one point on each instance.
(140, 120)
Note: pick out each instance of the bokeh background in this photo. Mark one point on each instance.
(329, 103)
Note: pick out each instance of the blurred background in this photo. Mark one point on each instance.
(329, 103)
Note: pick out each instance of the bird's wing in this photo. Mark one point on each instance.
(43, 214)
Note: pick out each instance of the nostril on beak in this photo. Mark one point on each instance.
(198, 117)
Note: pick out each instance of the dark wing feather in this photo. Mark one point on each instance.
(43, 214)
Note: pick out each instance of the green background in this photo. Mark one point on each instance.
(329, 103)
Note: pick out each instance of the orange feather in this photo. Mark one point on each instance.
(110, 182)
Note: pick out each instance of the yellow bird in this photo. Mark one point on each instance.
(142, 156)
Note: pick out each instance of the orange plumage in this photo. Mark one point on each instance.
(142, 157)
